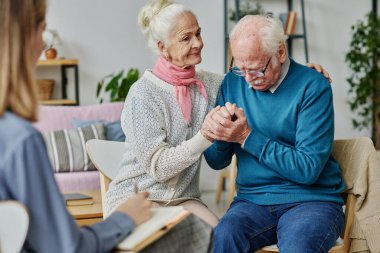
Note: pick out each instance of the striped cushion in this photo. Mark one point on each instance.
(67, 148)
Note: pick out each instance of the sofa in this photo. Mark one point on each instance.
(62, 126)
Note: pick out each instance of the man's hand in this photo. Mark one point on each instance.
(137, 207)
(226, 123)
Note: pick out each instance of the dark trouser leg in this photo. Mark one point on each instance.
(310, 227)
(245, 227)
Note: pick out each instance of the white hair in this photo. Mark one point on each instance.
(157, 18)
(268, 29)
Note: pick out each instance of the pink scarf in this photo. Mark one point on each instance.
(181, 79)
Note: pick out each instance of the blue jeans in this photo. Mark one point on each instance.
(297, 227)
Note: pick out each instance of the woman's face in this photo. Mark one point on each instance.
(37, 41)
(185, 42)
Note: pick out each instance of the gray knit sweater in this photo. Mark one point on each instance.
(163, 153)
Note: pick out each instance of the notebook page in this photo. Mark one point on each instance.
(161, 216)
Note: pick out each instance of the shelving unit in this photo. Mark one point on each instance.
(302, 35)
(64, 64)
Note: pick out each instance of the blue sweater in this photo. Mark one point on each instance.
(287, 156)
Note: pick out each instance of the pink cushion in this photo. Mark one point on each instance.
(77, 181)
(52, 118)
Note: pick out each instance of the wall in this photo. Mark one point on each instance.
(105, 38)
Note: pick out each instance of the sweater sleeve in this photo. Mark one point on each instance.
(145, 125)
(303, 162)
(29, 179)
(219, 155)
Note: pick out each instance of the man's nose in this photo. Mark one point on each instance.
(249, 77)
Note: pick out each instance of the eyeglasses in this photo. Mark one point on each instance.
(252, 72)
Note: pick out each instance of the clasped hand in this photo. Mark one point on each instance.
(226, 123)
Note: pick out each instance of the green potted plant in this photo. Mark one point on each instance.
(248, 7)
(363, 59)
(117, 84)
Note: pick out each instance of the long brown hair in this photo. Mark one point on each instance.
(19, 21)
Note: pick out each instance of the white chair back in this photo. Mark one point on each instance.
(106, 156)
(14, 222)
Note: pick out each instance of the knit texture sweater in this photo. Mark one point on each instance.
(163, 153)
(287, 156)
(361, 172)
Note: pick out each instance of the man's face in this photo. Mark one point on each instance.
(249, 55)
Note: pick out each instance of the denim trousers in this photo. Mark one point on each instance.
(298, 227)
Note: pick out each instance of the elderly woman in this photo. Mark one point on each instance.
(164, 112)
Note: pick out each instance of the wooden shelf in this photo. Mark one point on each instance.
(63, 64)
(58, 102)
(57, 62)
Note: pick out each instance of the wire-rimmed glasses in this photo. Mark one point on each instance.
(252, 72)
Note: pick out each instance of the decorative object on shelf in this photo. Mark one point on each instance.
(290, 24)
(117, 84)
(52, 40)
(249, 7)
(45, 87)
(364, 61)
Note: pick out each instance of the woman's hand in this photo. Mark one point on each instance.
(320, 69)
(226, 124)
(137, 207)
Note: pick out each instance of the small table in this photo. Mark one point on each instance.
(88, 214)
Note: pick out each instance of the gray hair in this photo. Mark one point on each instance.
(269, 29)
(156, 19)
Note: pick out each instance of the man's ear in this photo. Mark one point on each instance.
(282, 52)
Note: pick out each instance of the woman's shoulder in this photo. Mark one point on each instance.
(210, 78)
(13, 124)
(149, 83)
(15, 131)
(212, 82)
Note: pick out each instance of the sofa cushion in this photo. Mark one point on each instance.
(78, 181)
(67, 148)
(53, 118)
(113, 129)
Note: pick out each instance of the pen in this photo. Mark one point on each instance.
(136, 188)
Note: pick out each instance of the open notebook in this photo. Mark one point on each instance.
(163, 219)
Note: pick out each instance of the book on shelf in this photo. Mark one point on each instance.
(290, 24)
(77, 199)
(163, 219)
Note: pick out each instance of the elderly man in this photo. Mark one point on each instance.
(277, 117)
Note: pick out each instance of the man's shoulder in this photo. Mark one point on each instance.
(307, 77)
